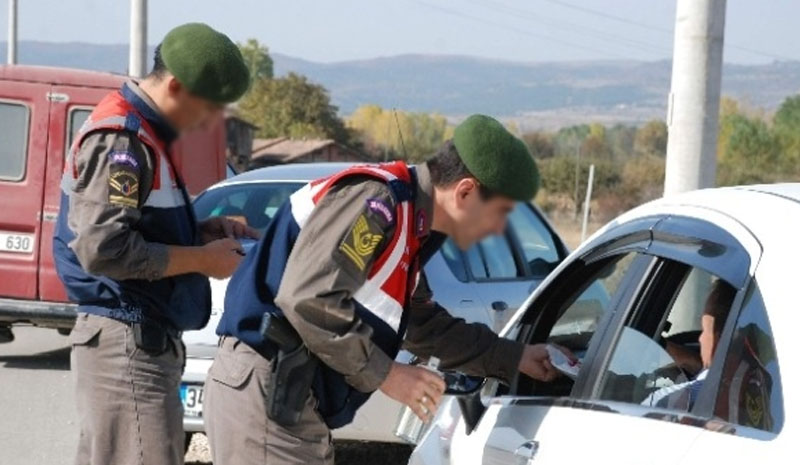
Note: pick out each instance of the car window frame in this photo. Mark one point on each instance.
(27, 142)
(509, 234)
(532, 328)
(668, 246)
(518, 263)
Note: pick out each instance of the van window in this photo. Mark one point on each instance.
(77, 116)
(14, 134)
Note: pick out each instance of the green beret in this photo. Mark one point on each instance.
(496, 158)
(206, 62)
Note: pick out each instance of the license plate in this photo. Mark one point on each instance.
(15, 242)
(192, 398)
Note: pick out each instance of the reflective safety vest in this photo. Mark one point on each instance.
(182, 302)
(380, 302)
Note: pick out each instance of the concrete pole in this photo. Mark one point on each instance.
(693, 112)
(12, 32)
(693, 120)
(137, 61)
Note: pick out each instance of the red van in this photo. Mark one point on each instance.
(41, 109)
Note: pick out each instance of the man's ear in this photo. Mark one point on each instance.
(464, 187)
(173, 85)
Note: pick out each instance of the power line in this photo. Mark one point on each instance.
(650, 27)
(579, 28)
(518, 30)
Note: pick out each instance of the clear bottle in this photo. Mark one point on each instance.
(410, 427)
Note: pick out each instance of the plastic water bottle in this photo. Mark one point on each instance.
(410, 427)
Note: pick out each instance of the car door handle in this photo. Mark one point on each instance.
(526, 452)
(499, 306)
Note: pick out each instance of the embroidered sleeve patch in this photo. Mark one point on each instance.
(123, 185)
(382, 209)
(361, 242)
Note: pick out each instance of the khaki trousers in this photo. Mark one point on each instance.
(128, 401)
(235, 409)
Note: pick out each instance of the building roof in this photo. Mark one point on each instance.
(284, 150)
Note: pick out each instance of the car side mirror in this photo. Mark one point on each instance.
(541, 267)
(459, 384)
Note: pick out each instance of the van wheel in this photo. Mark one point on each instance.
(187, 440)
(64, 331)
(5, 334)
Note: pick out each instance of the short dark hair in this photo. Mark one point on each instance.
(159, 68)
(718, 303)
(447, 168)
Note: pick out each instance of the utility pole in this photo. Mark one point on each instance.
(138, 42)
(693, 120)
(11, 56)
(693, 112)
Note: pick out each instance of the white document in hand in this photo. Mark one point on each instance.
(561, 363)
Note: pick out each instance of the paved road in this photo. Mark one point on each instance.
(37, 409)
(38, 421)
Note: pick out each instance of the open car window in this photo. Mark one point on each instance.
(662, 358)
(572, 314)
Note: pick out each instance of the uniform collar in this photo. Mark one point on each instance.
(148, 109)
(423, 206)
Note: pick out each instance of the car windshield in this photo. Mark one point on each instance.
(252, 203)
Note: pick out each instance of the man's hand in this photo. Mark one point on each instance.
(416, 387)
(221, 257)
(535, 362)
(220, 227)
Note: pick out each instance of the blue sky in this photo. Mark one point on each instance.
(520, 30)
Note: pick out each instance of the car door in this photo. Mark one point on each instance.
(69, 109)
(24, 109)
(638, 402)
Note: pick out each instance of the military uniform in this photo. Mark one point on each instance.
(123, 205)
(342, 245)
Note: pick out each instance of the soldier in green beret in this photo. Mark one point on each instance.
(131, 254)
(340, 266)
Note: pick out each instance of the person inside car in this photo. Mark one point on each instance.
(717, 306)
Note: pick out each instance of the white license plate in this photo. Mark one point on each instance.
(16, 242)
(192, 398)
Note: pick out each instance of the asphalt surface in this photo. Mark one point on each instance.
(39, 423)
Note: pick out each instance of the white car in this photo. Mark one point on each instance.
(639, 397)
(485, 284)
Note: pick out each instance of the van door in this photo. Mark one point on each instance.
(24, 109)
(69, 108)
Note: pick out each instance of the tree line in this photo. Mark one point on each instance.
(753, 145)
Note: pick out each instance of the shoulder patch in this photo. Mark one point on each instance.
(382, 208)
(123, 185)
(361, 242)
(119, 157)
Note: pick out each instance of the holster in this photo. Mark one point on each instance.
(293, 369)
(150, 337)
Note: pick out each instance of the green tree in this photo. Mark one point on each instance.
(257, 58)
(292, 106)
(786, 123)
(540, 144)
(651, 139)
(390, 134)
(752, 152)
(620, 140)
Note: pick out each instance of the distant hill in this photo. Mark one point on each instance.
(533, 94)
